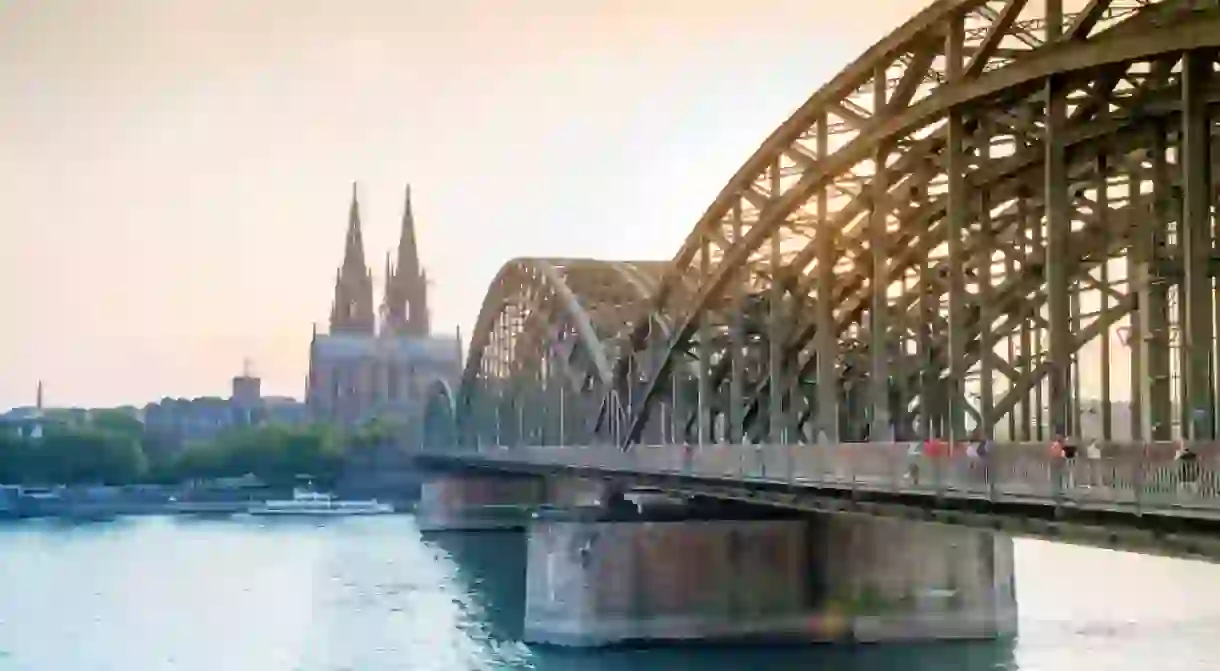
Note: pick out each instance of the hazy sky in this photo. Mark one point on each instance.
(174, 174)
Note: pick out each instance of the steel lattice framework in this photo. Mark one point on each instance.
(543, 350)
(980, 214)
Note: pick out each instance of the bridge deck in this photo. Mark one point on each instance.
(1132, 486)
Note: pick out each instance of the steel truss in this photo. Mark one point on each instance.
(541, 357)
(955, 235)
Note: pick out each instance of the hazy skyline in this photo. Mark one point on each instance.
(177, 173)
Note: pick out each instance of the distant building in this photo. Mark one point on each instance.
(358, 372)
(27, 422)
(247, 398)
(284, 410)
(173, 421)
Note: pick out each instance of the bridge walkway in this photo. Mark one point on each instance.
(1133, 482)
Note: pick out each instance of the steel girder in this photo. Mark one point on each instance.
(541, 353)
(948, 237)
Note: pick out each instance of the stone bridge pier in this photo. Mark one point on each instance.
(601, 574)
(470, 502)
(824, 579)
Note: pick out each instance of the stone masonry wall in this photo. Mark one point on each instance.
(606, 582)
(833, 578)
(888, 579)
(476, 502)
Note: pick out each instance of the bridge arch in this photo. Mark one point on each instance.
(439, 416)
(542, 349)
(958, 214)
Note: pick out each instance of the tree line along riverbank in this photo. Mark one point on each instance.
(113, 449)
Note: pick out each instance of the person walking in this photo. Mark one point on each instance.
(1188, 468)
(914, 455)
(1070, 450)
(976, 453)
(1063, 457)
(1092, 454)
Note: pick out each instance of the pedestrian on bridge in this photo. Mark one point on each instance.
(936, 448)
(977, 449)
(1095, 475)
(914, 454)
(1063, 462)
(937, 452)
(1188, 468)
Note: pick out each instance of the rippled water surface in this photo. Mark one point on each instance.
(371, 594)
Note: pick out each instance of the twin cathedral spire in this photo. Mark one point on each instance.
(404, 306)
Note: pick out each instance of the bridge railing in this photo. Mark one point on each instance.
(1128, 476)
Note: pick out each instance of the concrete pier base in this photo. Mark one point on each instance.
(472, 503)
(602, 583)
(830, 579)
(884, 579)
(485, 502)
(576, 492)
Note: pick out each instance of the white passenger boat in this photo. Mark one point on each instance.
(306, 502)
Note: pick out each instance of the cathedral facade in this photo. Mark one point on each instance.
(379, 366)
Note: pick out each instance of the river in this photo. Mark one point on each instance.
(369, 594)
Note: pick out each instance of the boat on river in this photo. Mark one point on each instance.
(307, 502)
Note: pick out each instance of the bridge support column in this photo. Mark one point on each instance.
(604, 583)
(889, 580)
(597, 583)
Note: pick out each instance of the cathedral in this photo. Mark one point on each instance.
(364, 367)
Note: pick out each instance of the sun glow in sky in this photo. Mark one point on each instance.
(175, 173)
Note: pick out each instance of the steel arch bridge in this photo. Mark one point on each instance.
(1001, 210)
(542, 355)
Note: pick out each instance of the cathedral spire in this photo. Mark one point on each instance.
(408, 254)
(353, 250)
(406, 295)
(352, 311)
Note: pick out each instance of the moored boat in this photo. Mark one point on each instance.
(306, 502)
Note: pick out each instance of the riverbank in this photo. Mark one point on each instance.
(111, 510)
(84, 505)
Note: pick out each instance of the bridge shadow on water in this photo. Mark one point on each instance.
(958, 656)
(492, 565)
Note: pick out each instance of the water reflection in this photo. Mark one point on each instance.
(921, 657)
(491, 568)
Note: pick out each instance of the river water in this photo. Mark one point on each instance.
(369, 594)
